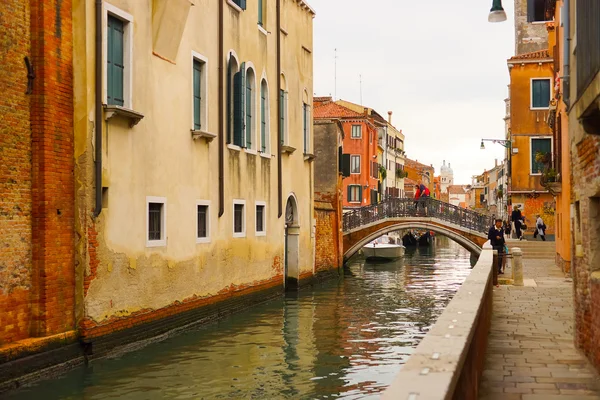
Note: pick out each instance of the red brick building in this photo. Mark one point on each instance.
(360, 143)
(37, 271)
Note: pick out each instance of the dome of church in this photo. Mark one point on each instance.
(445, 169)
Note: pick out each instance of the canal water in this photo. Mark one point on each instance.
(341, 339)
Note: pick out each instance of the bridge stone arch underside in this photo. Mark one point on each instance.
(356, 238)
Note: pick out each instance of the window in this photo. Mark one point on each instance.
(250, 107)
(240, 3)
(356, 132)
(355, 164)
(283, 100)
(261, 219)
(261, 12)
(199, 104)
(202, 222)
(264, 118)
(306, 127)
(117, 53)
(539, 145)
(243, 107)
(540, 93)
(354, 194)
(540, 10)
(239, 218)
(156, 226)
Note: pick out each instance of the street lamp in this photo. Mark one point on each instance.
(505, 143)
(497, 13)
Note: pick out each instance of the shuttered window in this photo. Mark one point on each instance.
(306, 127)
(239, 94)
(540, 93)
(115, 68)
(241, 3)
(355, 164)
(283, 96)
(263, 117)
(249, 113)
(197, 72)
(260, 12)
(354, 194)
(356, 132)
(539, 145)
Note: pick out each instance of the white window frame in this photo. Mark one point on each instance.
(243, 232)
(127, 53)
(306, 122)
(286, 118)
(359, 164)
(253, 134)
(267, 152)
(203, 90)
(163, 240)
(207, 204)
(531, 156)
(531, 107)
(264, 231)
(359, 189)
(359, 131)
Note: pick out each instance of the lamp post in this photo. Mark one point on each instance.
(505, 143)
(497, 13)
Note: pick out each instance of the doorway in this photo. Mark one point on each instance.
(292, 245)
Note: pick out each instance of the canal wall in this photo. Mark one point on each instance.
(448, 362)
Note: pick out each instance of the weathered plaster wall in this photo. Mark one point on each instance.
(157, 157)
(528, 36)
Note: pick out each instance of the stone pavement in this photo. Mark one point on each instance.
(530, 354)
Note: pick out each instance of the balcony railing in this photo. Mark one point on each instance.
(588, 43)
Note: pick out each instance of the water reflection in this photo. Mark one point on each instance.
(343, 339)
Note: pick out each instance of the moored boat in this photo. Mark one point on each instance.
(382, 249)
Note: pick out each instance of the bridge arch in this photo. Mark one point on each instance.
(467, 243)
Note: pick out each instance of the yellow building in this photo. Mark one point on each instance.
(531, 82)
(193, 138)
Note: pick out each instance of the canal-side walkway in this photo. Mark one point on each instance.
(530, 354)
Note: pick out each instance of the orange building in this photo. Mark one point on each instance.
(437, 187)
(360, 188)
(532, 144)
(420, 173)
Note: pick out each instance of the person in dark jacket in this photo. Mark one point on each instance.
(517, 218)
(496, 236)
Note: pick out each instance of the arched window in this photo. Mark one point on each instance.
(250, 98)
(264, 117)
(232, 76)
(307, 122)
(283, 121)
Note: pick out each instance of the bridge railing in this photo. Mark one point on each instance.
(397, 208)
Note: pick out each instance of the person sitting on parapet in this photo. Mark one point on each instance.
(496, 236)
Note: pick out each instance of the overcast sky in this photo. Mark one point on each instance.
(437, 64)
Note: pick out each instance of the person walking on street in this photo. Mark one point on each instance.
(496, 237)
(540, 228)
(517, 218)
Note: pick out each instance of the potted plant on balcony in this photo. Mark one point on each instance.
(550, 179)
(401, 174)
(382, 172)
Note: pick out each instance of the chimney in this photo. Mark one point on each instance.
(390, 117)
(495, 162)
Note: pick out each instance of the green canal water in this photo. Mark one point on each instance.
(341, 339)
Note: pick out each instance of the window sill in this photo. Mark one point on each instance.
(132, 116)
(265, 155)
(207, 136)
(250, 151)
(234, 6)
(156, 243)
(234, 147)
(356, 138)
(262, 30)
(287, 149)
(539, 108)
(309, 157)
(260, 233)
(239, 235)
(202, 240)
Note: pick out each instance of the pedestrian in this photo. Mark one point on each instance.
(417, 196)
(517, 218)
(496, 237)
(424, 196)
(540, 228)
(506, 228)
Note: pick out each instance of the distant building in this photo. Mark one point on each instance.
(446, 177)
(458, 195)
(530, 32)
(419, 172)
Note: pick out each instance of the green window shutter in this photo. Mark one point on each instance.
(349, 192)
(542, 145)
(229, 101)
(249, 113)
(197, 71)
(263, 118)
(260, 12)
(360, 198)
(305, 126)
(238, 105)
(115, 61)
(540, 93)
(281, 116)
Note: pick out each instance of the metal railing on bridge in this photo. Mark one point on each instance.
(423, 208)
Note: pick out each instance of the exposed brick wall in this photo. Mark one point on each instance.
(15, 173)
(327, 243)
(53, 280)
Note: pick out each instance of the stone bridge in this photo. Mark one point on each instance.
(466, 227)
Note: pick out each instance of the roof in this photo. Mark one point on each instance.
(541, 55)
(306, 6)
(333, 110)
(415, 164)
(457, 189)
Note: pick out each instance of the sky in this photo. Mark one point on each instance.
(438, 65)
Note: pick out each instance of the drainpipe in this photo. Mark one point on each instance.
(221, 116)
(279, 127)
(566, 17)
(98, 105)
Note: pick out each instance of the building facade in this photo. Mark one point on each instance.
(530, 32)
(446, 177)
(419, 173)
(194, 156)
(394, 160)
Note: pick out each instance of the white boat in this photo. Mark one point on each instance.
(382, 249)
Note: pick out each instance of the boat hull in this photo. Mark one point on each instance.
(383, 252)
